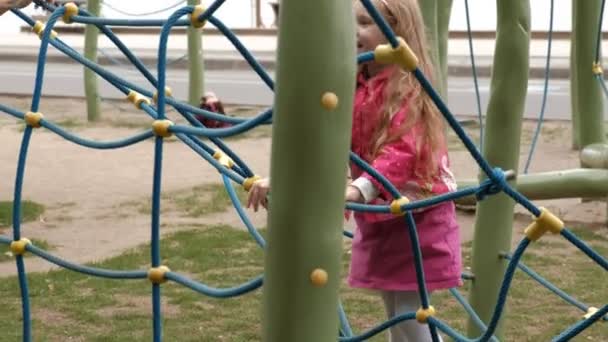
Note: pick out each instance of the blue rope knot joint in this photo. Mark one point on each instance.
(422, 315)
(157, 275)
(496, 183)
(19, 247)
(71, 9)
(33, 119)
(196, 13)
(396, 206)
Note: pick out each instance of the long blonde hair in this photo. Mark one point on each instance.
(405, 18)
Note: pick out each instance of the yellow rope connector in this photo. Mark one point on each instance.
(423, 315)
(547, 221)
(223, 159)
(397, 204)
(39, 30)
(197, 12)
(590, 312)
(329, 101)
(33, 119)
(137, 99)
(401, 55)
(597, 69)
(168, 93)
(157, 274)
(161, 128)
(319, 277)
(18, 247)
(248, 182)
(71, 9)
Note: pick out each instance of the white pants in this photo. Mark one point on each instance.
(397, 303)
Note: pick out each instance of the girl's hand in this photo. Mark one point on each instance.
(352, 195)
(258, 194)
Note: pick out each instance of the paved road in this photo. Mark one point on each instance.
(244, 87)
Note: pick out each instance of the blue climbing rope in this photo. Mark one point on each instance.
(475, 78)
(543, 107)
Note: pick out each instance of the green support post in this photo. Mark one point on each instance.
(91, 91)
(310, 145)
(195, 62)
(574, 82)
(444, 12)
(508, 90)
(429, 13)
(589, 98)
(436, 15)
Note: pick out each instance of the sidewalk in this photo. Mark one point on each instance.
(220, 54)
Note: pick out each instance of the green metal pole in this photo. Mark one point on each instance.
(195, 62)
(310, 147)
(91, 91)
(504, 119)
(589, 93)
(429, 10)
(573, 82)
(444, 12)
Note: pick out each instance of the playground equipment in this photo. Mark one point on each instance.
(310, 242)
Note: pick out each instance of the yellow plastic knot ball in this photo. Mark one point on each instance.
(223, 159)
(197, 12)
(597, 69)
(71, 9)
(319, 277)
(329, 101)
(397, 204)
(168, 93)
(39, 27)
(137, 99)
(401, 55)
(157, 274)
(248, 182)
(33, 119)
(161, 128)
(423, 315)
(18, 247)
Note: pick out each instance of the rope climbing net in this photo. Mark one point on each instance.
(233, 170)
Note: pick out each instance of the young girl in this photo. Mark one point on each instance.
(211, 103)
(399, 131)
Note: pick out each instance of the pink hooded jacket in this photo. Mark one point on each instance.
(382, 255)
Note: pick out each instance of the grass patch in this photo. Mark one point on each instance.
(30, 211)
(6, 255)
(91, 309)
(191, 202)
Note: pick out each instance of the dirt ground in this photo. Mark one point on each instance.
(84, 190)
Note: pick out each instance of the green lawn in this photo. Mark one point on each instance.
(69, 306)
